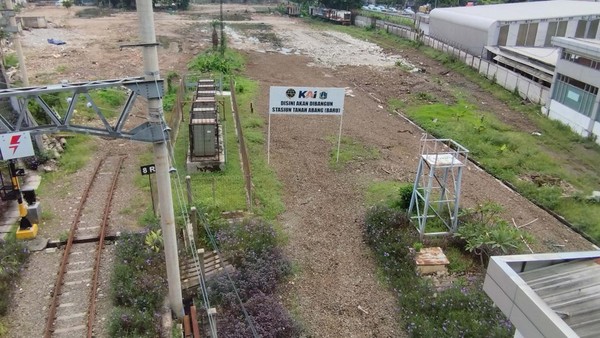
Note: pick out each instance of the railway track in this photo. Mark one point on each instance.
(72, 308)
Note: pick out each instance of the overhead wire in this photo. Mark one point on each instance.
(201, 217)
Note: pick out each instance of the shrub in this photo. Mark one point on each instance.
(461, 310)
(251, 235)
(128, 322)
(260, 266)
(257, 273)
(405, 195)
(269, 317)
(138, 288)
(484, 232)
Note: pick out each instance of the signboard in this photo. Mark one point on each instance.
(148, 169)
(16, 145)
(306, 101)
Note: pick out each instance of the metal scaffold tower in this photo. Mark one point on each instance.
(436, 192)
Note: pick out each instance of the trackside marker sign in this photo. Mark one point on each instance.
(306, 101)
(16, 145)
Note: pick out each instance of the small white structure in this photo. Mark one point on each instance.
(548, 295)
(575, 99)
(526, 24)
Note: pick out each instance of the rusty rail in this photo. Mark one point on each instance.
(49, 328)
(103, 226)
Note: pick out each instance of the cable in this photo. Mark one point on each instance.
(200, 217)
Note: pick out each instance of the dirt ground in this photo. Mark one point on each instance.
(336, 292)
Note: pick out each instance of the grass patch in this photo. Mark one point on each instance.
(350, 151)
(380, 192)
(13, 254)
(11, 60)
(77, 153)
(225, 190)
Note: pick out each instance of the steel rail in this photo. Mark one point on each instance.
(96, 271)
(50, 323)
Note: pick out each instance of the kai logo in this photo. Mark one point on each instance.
(308, 94)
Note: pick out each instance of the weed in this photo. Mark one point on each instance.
(63, 236)
(11, 60)
(13, 254)
(138, 288)
(350, 151)
(61, 69)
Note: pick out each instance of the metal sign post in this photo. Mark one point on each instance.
(149, 170)
(305, 101)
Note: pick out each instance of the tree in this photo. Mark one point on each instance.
(341, 4)
(67, 4)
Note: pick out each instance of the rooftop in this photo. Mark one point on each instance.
(548, 295)
(536, 10)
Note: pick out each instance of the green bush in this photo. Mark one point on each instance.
(138, 288)
(483, 231)
(211, 61)
(129, 322)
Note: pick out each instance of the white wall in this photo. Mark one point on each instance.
(578, 122)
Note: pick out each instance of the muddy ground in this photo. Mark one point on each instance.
(336, 292)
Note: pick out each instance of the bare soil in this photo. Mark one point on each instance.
(336, 291)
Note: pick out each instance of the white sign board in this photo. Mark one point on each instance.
(16, 145)
(306, 101)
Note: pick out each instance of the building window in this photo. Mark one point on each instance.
(581, 26)
(575, 94)
(527, 33)
(531, 34)
(503, 36)
(555, 28)
(580, 60)
(593, 29)
(550, 33)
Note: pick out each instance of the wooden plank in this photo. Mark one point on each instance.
(187, 329)
(194, 317)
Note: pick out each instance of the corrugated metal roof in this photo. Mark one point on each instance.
(584, 47)
(572, 290)
(536, 10)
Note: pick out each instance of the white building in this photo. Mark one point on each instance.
(575, 99)
(524, 24)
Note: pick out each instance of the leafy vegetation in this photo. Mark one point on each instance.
(138, 286)
(10, 60)
(12, 256)
(251, 246)
(461, 309)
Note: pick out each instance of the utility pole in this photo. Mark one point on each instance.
(222, 37)
(23, 68)
(17, 41)
(161, 158)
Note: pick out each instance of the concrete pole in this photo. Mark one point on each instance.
(13, 22)
(161, 159)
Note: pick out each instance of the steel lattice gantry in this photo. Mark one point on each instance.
(436, 191)
(115, 128)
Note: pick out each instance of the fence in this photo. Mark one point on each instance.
(527, 88)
